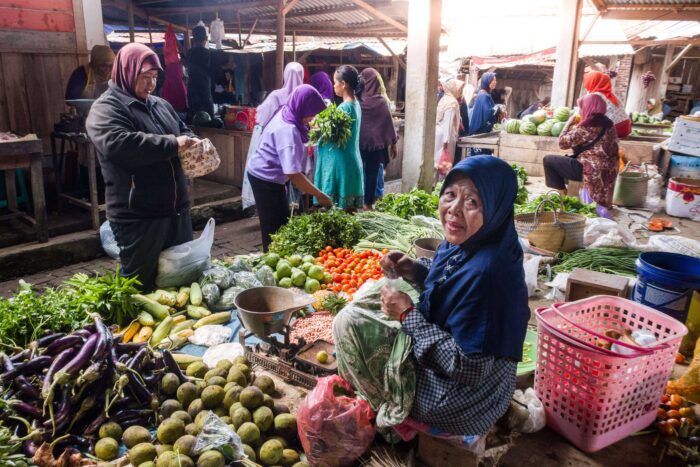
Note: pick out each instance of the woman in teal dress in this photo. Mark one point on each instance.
(339, 169)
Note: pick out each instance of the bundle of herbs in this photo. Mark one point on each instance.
(571, 204)
(332, 126)
(414, 203)
(310, 233)
(521, 173)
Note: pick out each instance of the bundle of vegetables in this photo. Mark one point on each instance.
(382, 231)
(611, 260)
(63, 387)
(332, 126)
(521, 197)
(406, 205)
(310, 233)
(11, 449)
(571, 204)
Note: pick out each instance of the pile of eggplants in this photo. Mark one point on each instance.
(63, 387)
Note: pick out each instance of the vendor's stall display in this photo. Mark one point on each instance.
(383, 231)
(414, 203)
(540, 123)
(619, 261)
(683, 198)
(586, 404)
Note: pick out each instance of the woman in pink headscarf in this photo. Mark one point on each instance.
(293, 78)
(594, 161)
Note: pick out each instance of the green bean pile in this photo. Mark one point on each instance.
(619, 261)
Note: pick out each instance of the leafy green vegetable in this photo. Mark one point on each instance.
(406, 205)
(310, 233)
(333, 126)
(333, 303)
(381, 230)
(11, 449)
(571, 204)
(521, 197)
(611, 260)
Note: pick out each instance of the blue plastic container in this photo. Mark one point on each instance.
(683, 166)
(665, 282)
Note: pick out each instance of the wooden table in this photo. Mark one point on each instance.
(482, 141)
(23, 155)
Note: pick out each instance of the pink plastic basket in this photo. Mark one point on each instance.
(592, 396)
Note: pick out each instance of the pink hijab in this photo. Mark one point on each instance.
(132, 60)
(293, 78)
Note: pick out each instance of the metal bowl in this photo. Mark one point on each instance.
(267, 310)
(426, 247)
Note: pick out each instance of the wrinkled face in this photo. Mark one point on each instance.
(145, 84)
(461, 210)
(492, 84)
(339, 86)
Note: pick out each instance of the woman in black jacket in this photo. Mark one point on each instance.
(137, 137)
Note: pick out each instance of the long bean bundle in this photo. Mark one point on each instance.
(610, 260)
(386, 231)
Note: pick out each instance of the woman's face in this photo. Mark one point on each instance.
(338, 86)
(146, 84)
(649, 105)
(492, 84)
(461, 211)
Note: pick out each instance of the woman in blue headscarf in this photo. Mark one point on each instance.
(483, 115)
(469, 324)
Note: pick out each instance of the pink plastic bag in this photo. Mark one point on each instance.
(334, 429)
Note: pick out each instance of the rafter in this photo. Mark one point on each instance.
(379, 15)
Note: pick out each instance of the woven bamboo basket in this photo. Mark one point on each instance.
(555, 230)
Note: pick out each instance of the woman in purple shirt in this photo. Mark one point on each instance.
(281, 156)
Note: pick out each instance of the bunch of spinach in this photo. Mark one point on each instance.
(310, 233)
(571, 204)
(332, 126)
(521, 197)
(406, 205)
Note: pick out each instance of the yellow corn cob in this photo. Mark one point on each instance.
(131, 330)
(143, 335)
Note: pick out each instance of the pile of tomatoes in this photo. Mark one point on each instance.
(349, 269)
(675, 416)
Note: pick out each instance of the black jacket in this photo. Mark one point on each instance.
(137, 149)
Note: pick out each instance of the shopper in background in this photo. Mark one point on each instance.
(324, 85)
(137, 137)
(90, 81)
(377, 133)
(447, 126)
(485, 114)
(655, 109)
(198, 62)
(339, 169)
(281, 157)
(599, 83)
(535, 106)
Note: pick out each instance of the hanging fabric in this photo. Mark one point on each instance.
(216, 32)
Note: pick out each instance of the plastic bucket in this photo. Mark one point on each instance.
(665, 282)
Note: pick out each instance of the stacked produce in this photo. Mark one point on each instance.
(610, 260)
(310, 233)
(382, 231)
(414, 203)
(677, 422)
(538, 123)
(571, 204)
(644, 118)
(296, 271)
(63, 387)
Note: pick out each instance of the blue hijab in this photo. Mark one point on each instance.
(482, 302)
(482, 116)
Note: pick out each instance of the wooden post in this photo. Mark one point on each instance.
(188, 41)
(279, 50)
(567, 53)
(421, 102)
(294, 45)
(240, 32)
(150, 33)
(130, 16)
(393, 87)
(665, 72)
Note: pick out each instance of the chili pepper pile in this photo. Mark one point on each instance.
(63, 387)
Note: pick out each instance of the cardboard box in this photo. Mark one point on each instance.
(686, 137)
(583, 283)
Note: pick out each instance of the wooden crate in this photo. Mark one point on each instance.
(583, 283)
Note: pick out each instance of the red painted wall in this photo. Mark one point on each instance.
(37, 15)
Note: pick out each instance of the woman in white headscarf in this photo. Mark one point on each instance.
(293, 78)
(447, 125)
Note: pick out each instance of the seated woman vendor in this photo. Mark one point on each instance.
(469, 324)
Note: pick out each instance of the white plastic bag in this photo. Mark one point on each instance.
(212, 334)
(109, 243)
(216, 353)
(183, 264)
(558, 285)
(654, 186)
(247, 191)
(537, 420)
(600, 232)
(532, 268)
(216, 435)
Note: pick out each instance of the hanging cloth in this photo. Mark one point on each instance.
(217, 32)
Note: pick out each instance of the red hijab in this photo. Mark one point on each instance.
(595, 81)
(132, 60)
(593, 109)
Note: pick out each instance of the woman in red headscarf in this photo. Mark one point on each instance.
(593, 139)
(599, 83)
(137, 137)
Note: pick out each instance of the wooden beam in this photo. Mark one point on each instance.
(645, 42)
(250, 32)
(663, 79)
(290, 4)
(130, 17)
(240, 32)
(565, 68)
(678, 58)
(170, 11)
(279, 50)
(599, 5)
(590, 27)
(654, 15)
(401, 62)
(379, 15)
(141, 13)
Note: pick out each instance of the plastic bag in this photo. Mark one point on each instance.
(601, 232)
(532, 268)
(675, 244)
(109, 243)
(216, 435)
(240, 264)
(558, 287)
(334, 429)
(537, 420)
(266, 276)
(183, 264)
(199, 159)
(226, 301)
(228, 351)
(247, 280)
(211, 334)
(222, 277)
(211, 294)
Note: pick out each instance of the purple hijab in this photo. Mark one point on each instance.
(376, 127)
(293, 77)
(323, 84)
(304, 102)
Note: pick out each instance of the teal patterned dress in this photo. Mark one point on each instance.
(339, 169)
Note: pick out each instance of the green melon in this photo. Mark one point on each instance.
(539, 117)
(528, 128)
(562, 114)
(512, 126)
(545, 129)
(557, 128)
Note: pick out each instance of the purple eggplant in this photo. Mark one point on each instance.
(140, 421)
(62, 416)
(25, 388)
(58, 363)
(95, 425)
(135, 385)
(172, 366)
(78, 362)
(104, 341)
(129, 348)
(30, 448)
(21, 356)
(25, 409)
(63, 343)
(25, 368)
(47, 339)
(131, 413)
(86, 406)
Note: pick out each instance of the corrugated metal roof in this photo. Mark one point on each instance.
(633, 3)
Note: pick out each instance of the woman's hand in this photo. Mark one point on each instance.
(324, 200)
(398, 264)
(393, 152)
(184, 142)
(394, 302)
